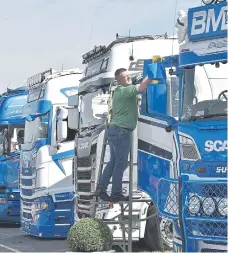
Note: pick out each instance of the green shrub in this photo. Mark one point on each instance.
(89, 235)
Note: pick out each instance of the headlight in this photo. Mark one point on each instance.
(209, 206)
(188, 149)
(194, 205)
(41, 206)
(223, 207)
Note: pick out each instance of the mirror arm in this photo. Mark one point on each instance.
(68, 107)
(169, 129)
(171, 126)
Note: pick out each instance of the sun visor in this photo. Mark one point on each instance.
(36, 108)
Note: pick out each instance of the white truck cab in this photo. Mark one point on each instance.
(46, 188)
(88, 114)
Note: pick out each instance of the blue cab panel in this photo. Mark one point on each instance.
(11, 105)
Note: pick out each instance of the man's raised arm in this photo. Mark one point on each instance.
(143, 85)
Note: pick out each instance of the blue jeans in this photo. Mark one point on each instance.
(120, 144)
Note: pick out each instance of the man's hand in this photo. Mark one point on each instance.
(143, 85)
(136, 79)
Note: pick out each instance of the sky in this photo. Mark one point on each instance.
(36, 35)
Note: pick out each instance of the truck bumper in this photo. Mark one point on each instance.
(10, 210)
(48, 224)
(45, 231)
(10, 213)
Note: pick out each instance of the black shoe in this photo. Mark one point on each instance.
(102, 195)
(114, 198)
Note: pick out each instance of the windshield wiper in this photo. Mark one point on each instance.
(208, 116)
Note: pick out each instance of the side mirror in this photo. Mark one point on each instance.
(62, 113)
(73, 118)
(61, 130)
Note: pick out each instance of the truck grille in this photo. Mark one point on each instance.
(85, 161)
(83, 187)
(84, 175)
(84, 202)
(27, 192)
(27, 172)
(26, 182)
(85, 197)
(27, 215)
(189, 152)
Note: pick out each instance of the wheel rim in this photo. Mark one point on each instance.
(166, 228)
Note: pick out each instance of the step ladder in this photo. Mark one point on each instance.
(120, 217)
(86, 203)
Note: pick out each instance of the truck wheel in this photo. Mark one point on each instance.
(166, 229)
(158, 237)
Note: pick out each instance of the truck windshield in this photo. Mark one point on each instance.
(11, 138)
(94, 107)
(205, 93)
(36, 129)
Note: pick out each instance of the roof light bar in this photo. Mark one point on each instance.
(93, 53)
(38, 78)
(97, 51)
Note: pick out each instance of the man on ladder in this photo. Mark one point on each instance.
(123, 121)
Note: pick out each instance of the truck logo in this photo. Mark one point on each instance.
(83, 145)
(212, 21)
(217, 145)
(221, 170)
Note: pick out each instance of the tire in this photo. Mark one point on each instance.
(153, 236)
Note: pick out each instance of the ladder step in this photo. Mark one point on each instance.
(133, 210)
(79, 211)
(90, 168)
(85, 181)
(115, 222)
(83, 206)
(87, 194)
(123, 202)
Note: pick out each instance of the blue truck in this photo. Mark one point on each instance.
(11, 138)
(182, 132)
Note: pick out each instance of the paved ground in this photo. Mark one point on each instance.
(13, 240)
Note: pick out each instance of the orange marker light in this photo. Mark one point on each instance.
(201, 170)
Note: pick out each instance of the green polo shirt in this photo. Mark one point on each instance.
(124, 107)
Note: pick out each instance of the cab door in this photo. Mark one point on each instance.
(159, 110)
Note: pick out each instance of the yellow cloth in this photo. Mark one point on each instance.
(157, 58)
